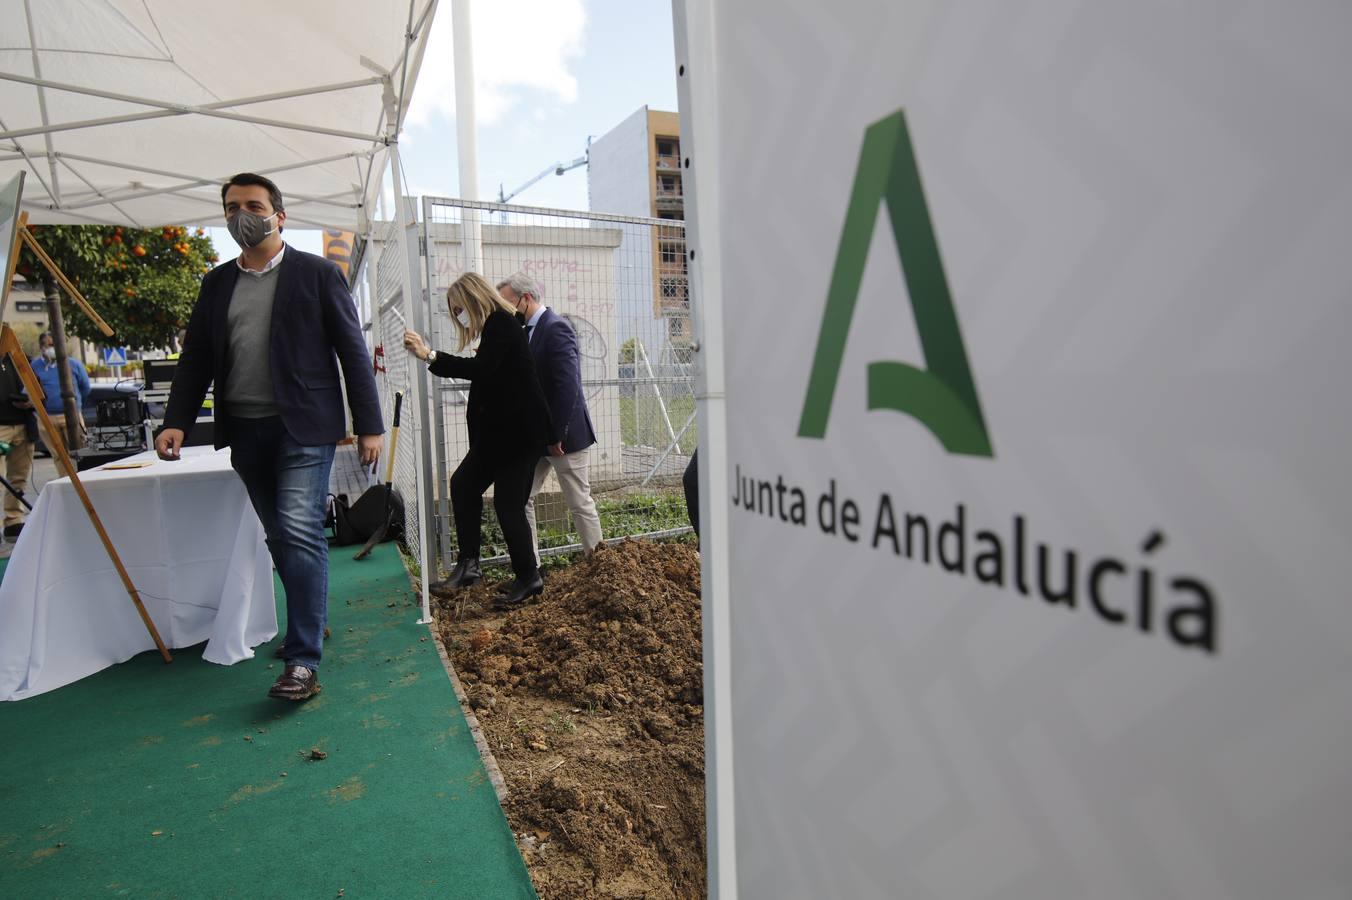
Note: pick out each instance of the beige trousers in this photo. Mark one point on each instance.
(60, 423)
(571, 470)
(16, 467)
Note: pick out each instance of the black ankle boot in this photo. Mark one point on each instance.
(520, 590)
(465, 573)
(506, 587)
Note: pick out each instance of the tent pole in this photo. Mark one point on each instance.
(173, 109)
(466, 134)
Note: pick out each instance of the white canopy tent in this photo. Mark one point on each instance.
(133, 112)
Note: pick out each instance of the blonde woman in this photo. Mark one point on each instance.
(509, 429)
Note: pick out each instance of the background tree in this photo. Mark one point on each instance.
(143, 281)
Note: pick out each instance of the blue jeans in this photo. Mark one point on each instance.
(288, 484)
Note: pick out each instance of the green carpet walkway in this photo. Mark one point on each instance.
(148, 780)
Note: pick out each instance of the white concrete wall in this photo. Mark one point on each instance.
(619, 168)
(618, 177)
(576, 271)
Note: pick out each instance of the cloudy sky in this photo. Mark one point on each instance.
(549, 74)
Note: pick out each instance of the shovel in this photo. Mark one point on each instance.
(379, 534)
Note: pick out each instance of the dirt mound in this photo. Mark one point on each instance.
(619, 630)
(592, 703)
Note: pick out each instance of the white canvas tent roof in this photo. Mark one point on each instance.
(135, 111)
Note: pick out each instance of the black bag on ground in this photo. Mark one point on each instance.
(353, 524)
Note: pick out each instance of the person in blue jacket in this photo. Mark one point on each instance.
(49, 376)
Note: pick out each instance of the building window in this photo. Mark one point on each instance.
(29, 306)
(674, 291)
(668, 153)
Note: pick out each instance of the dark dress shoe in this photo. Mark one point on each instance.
(296, 683)
(520, 590)
(12, 531)
(465, 573)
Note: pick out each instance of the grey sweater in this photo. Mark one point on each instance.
(248, 386)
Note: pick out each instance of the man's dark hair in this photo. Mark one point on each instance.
(244, 179)
(45, 334)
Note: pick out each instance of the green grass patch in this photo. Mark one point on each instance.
(633, 514)
(641, 423)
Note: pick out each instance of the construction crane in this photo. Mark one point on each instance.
(557, 169)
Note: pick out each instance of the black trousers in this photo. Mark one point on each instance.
(511, 479)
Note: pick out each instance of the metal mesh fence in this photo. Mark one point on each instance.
(389, 311)
(621, 283)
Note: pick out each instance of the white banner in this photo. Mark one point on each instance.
(1036, 322)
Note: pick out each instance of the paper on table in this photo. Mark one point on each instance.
(140, 464)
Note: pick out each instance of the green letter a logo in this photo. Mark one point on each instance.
(942, 396)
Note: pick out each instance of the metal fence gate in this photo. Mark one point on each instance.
(621, 282)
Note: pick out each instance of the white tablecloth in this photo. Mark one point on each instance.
(190, 541)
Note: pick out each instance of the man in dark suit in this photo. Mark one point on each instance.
(553, 344)
(271, 330)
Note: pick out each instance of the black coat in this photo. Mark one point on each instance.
(553, 344)
(11, 386)
(314, 332)
(507, 413)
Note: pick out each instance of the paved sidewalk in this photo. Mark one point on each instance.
(348, 476)
(44, 470)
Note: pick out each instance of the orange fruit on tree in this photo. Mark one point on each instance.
(138, 250)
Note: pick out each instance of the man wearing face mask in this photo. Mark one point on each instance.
(47, 370)
(553, 344)
(271, 330)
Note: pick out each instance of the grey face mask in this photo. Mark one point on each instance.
(249, 230)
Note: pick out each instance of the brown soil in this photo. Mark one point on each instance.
(591, 700)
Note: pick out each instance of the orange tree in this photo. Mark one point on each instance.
(143, 281)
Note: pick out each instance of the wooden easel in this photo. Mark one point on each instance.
(10, 346)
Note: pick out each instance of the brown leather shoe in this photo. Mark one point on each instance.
(296, 683)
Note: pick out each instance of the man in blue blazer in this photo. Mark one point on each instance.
(271, 330)
(553, 344)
